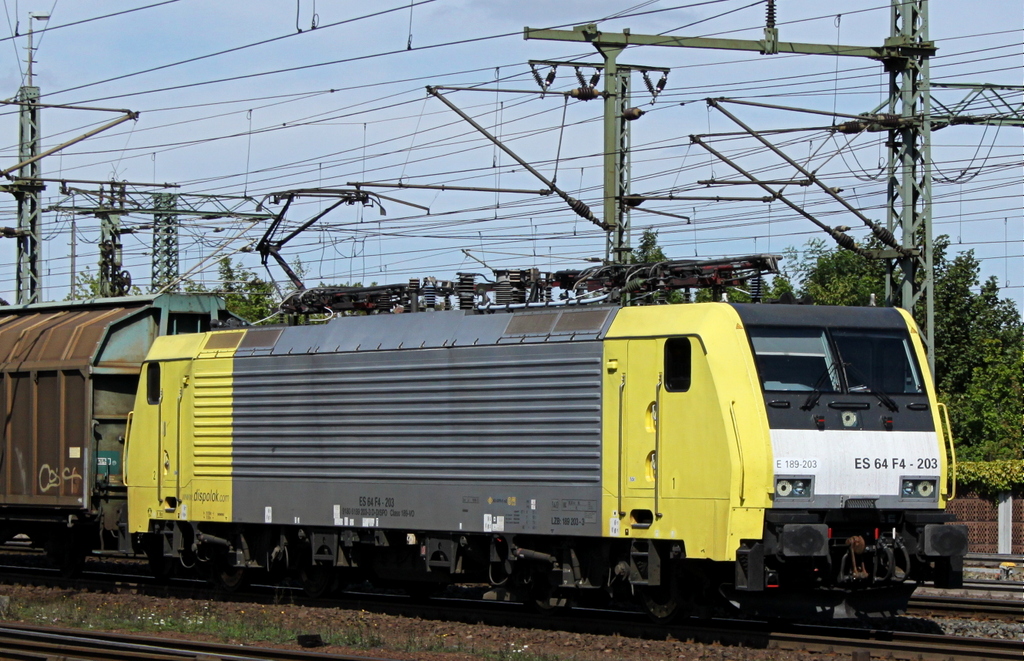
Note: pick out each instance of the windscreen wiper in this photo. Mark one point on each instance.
(815, 395)
(882, 397)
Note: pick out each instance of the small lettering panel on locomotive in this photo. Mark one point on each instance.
(465, 508)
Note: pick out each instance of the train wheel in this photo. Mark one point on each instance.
(661, 603)
(161, 567)
(543, 598)
(66, 553)
(228, 579)
(317, 580)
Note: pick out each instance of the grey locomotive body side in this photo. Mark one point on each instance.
(457, 423)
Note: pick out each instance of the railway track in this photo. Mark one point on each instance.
(899, 645)
(30, 643)
(985, 598)
(783, 636)
(27, 643)
(993, 608)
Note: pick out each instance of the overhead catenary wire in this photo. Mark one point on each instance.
(651, 167)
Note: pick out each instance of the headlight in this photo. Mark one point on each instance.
(794, 487)
(912, 488)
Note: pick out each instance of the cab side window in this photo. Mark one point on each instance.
(153, 383)
(678, 361)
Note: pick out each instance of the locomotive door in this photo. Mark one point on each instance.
(640, 422)
(172, 382)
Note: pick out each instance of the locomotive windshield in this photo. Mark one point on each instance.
(795, 359)
(833, 360)
(879, 361)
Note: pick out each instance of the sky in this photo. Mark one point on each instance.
(241, 100)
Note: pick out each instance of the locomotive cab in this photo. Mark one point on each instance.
(859, 461)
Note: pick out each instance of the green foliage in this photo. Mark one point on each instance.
(979, 343)
(649, 251)
(979, 361)
(774, 288)
(246, 295)
(833, 276)
(988, 478)
(779, 285)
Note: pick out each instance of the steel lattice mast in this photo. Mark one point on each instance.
(905, 55)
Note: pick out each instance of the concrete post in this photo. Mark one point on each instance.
(1005, 517)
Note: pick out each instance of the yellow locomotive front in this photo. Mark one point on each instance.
(859, 468)
(792, 454)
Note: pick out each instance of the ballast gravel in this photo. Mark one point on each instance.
(377, 635)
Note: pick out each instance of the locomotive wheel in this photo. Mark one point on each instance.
(661, 603)
(317, 580)
(543, 598)
(228, 579)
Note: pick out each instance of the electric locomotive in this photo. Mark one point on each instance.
(690, 456)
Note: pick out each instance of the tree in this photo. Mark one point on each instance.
(246, 295)
(648, 251)
(833, 276)
(979, 350)
(979, 359)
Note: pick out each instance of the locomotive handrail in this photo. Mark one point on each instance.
(124, 451)
(622, 387)
(657, 446)
(739, 451)
(177, 437)
(947, 440)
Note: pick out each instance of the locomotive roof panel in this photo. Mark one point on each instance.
(432, 330)
(437, 330)
(172, 347)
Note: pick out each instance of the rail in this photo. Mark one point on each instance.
(30, 642)
(752, 633)
(1008, 608)
(985, 558)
